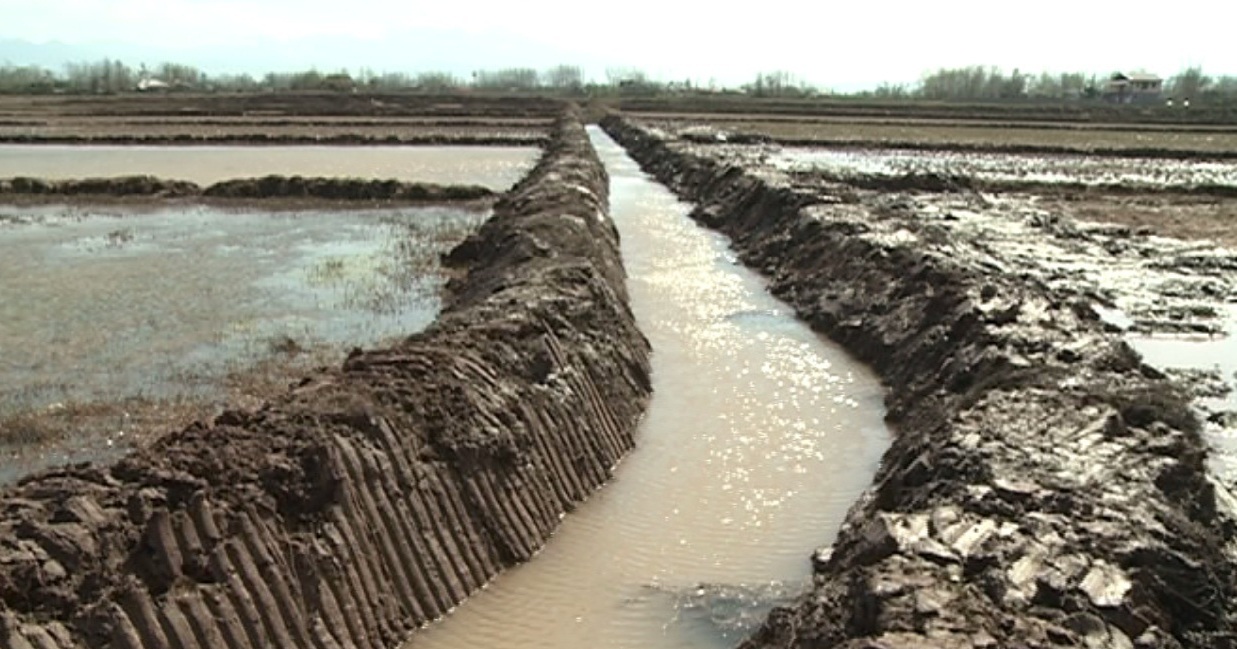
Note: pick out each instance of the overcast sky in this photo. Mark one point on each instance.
(837, 45)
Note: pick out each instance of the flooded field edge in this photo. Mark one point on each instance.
(1044, 487)
(112, 340)
(373, 497)
(266, 187)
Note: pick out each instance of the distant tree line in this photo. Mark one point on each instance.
(979, 83)
(974, 83)
(110, 76)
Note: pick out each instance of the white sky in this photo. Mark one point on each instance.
(838, 45)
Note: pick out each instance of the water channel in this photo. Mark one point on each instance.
(759, 437)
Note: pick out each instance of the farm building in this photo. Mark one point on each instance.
(1138, 87)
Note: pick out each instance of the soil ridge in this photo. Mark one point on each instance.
(370, 498)
(1045, 488)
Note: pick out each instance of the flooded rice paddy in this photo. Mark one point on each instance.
(1091, 170)
(102, 305)
(497, 168)
(759, 437)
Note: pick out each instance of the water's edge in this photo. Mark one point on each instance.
(374, 497)
(760, 436)
(1042, 489)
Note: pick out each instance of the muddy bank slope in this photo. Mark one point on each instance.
(1045, 488)
(370, 498)
(274, 186)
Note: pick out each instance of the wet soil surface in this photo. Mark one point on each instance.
(372, 497)
(1046, 487)
(760, 435)
(946, 136)
(282, 105)
(305, 118)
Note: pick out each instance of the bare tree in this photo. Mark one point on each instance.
(564, 77)
(1190, 82)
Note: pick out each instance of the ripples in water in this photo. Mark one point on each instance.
(759, 437)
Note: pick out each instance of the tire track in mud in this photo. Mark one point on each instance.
(1044, 488)
(373, 497)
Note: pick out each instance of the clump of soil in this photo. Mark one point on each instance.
(350, 189)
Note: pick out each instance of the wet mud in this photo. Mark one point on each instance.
(371, 498)
(1145, 142)
(183, 105)
(345, 189)
(1045, 487)
(453, 138)
(271, 119)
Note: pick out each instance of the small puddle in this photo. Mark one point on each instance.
(1215, 355)
(497, 168)
(759, 438)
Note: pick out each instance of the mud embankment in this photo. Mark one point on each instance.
(345, 189)
(373, 497)
(945, 182)
(1153, 153)
(258, 139)
(1044, 488)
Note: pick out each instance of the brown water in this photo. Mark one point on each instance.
(759, 437)
(495, 167)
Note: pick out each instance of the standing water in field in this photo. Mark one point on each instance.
(101, 307)
(759, 437)
(497, 168)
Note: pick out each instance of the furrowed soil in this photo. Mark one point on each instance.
(1045, 487)
(946, 135)
(374, 496)
(292, 118)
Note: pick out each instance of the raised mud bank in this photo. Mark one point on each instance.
(373, 497)
(258, 139)
(349, 189)
(1044, 488)
(940, 182)
(1154, 153)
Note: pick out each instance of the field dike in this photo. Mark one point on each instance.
(343, 189)
(373, 497)
(1044, 488)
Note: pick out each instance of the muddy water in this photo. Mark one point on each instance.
(1215, 354)
(99, 306)
(1005, 166)
(495, 167)
(759, 437)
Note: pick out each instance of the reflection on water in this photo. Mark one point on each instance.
(1210, 353)
(759, 437)
(97, 305)
(495, 167)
